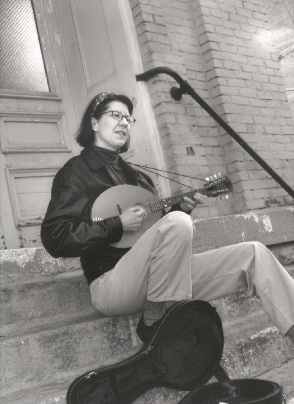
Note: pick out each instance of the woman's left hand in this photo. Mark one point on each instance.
(190, 204)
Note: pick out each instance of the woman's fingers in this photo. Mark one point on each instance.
(132, 218)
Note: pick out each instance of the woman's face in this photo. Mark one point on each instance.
(110, 133)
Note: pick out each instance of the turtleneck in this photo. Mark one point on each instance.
(110, 158)
(105, 155)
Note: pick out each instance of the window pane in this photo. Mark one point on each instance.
(21, 62)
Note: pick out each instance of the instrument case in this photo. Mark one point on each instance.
(184, 354)
(241, 391)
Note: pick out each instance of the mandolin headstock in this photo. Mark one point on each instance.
(217, 185)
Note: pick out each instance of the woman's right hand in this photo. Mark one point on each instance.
(132, 218)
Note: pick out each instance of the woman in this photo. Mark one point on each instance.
(159, 269)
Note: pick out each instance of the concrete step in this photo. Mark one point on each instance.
(22, 264)
(283, 375)
(63, 353)
(38, 394)
(47, 290)
(55, 391)
(36, 289)
(265, 354)
(51, 329)
(71, 348)
(65, 294)
(57, 394)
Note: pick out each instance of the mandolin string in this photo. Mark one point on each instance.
(153, 206)
(163, 176)
(189, 193)
(170, 179)
(169, 172)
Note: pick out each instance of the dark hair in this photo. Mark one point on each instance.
(85, 134)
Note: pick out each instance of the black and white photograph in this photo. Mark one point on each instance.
(147, 201)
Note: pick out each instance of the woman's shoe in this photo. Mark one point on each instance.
(147, 332)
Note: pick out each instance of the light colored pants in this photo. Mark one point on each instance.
(161, 267)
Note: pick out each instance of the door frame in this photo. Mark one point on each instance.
(148, 112)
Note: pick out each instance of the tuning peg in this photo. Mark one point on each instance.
(219, 175)
(215, 176)
(226, 196)
(207, 179)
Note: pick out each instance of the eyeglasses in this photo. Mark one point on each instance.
(118, 116)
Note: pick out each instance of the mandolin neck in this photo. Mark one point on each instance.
(172, 200)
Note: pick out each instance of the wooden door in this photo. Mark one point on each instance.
(37, 116)
(84, 50)
(97, 45)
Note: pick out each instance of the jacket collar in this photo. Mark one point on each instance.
(92, 158)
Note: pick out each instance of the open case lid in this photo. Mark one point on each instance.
(183, 355)
(244, 391)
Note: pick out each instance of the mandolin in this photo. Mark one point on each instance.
(117, 199)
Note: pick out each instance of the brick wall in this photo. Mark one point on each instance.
(223, 48)
(281, 21)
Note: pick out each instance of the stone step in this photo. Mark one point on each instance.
(27, 304)
(47, 290)
(21, 265)
(64, 352)
(36, 289)
(73, 334)
(282, 375)
(52, 330)
(69, 299)
(56, 392)
(71, 348)
(39, 394)
(265, 354)
(64, 297)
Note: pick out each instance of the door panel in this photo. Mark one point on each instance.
(102, 62)
(35, 129)
(94, 42)
(29, 190)
(31, 132)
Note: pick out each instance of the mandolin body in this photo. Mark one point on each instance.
(117, 199)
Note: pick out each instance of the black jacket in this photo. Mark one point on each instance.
(68, 230)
